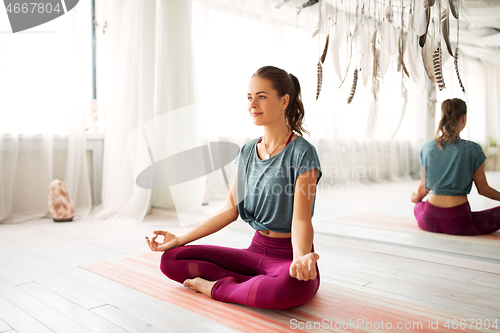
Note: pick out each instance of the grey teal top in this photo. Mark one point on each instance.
(450, 171)
(266, 188)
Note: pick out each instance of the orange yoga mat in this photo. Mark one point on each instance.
(333, 309)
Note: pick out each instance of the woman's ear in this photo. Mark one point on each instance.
(285, 101)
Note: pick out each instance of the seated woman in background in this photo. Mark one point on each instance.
(449, 166)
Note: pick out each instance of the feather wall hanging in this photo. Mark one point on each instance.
(427, 56)
(353, 88)
(325, 49)
(364, 49)
(438, 59)
(412, 49)
(376, 65)
(320, 79)
(307, 4)
(445, 28)
(438, 70)
(401, 64)
(281, 3)
(425, 16)
(401, 49)
(336, 43)
(455, 6)
(320, 25)
(373, 112)
(456, 70)
(320, 67)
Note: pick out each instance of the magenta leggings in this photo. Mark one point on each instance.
(458, 220)
(258, 276)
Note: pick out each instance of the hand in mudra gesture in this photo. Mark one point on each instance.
(169, 241)
(304, 268)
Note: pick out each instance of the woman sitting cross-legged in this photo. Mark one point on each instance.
(449, 167)
(275, 182)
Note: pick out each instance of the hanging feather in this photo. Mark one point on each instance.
(424, 21)
(348, 65)
(438, 70)
(456, 70)
(336, 43)
(281, 3)
(353, 88)
(321, 24)
(427, 53)
(316, 29)
(404, 95)
(401, 49)
(376, 65)
(453, 8)
(325, 49)
(445, 29)
(320, 79)
(385, 52)
(412, 50)
(365, 59)
(416, 14)
(307, 4)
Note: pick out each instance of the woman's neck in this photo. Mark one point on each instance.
(276, 136)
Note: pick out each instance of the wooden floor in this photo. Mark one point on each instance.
(42, 289)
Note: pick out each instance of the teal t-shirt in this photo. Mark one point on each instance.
(266, 188)
(450, 171)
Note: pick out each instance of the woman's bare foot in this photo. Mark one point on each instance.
(200, 285)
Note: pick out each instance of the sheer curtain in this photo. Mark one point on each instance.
(46, 80)
(125, 89)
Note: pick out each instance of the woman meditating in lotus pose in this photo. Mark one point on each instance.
(449, 166)
(275, 183)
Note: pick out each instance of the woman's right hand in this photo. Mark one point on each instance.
(169, 241)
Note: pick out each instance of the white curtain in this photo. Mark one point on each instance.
(125, 90)
(46, 85)
(148, 95)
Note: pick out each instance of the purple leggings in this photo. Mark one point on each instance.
(258, 276)
(458, 220)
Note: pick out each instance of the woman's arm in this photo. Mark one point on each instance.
(421, 191)
(224, 217)
(482, 185)
(303, 266)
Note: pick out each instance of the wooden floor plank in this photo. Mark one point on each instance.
(41, 312)
(4, 327)
(19, 320)
(125, 320)
(80, 315)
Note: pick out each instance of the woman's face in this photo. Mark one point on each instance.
(264, 104)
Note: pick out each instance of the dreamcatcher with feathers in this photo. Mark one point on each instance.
(377, 41)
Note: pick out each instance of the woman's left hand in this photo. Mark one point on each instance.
(304, 268)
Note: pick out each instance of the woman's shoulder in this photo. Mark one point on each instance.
(303, 144)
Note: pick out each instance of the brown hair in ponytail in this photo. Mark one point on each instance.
(285, 83)
(452, 111)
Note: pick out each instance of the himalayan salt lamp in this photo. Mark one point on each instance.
(60, 204)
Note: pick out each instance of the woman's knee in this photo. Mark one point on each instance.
(169, 262)
(292, 292)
